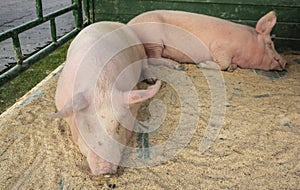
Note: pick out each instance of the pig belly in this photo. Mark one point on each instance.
(194, 57)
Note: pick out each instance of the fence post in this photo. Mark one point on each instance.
(17, 49)
(53, 30)
(78, 13)
(39, 9)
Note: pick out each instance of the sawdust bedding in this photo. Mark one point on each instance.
(258, 146)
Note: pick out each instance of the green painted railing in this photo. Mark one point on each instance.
(23, 64)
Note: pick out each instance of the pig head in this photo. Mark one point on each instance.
(223, 44)
(96, 92)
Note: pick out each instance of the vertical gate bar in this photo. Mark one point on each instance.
(93, 11)
(80, 18)
(87, 11)
(78, 13)
(53, 30)
(17, 49)
(39, 9)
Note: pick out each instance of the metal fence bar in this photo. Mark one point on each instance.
(13, 33)
(34, 23)
(13, 72)
(78, 13)
(17, 49)
(86, 10)
(89, 6)
(39, 9)
(53, 30)
(92, 10)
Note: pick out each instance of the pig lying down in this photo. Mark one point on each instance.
(224, 45)
(96, 92)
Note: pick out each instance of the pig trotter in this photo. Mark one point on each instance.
(170, 63)
(208, 65)
(148, 77)
(232, 67)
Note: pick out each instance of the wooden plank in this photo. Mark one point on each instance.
(287, 45)
(282, 29)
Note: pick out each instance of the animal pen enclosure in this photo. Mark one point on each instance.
(259, 140)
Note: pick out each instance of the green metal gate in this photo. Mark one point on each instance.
(24, 63)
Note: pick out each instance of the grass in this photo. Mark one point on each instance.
(15, 89)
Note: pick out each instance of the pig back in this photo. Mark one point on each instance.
(99, 52)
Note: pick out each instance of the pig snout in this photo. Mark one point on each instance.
(271, 59)
(282, 62)
(104, 168)
(100, 166)
(277, 62)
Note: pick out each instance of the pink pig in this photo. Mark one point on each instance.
(96, 92)
(213, 40)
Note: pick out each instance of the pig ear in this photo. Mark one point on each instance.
(266, 23)
(136, 96)
(79, 102)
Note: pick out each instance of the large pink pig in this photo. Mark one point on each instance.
(96, 92)
(223, 42)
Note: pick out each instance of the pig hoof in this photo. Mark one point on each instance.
(150, 80)
(204, 66)
(231, 68)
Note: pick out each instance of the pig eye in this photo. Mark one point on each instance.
(270, 45)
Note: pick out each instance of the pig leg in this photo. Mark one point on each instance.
(232, 67)
(208, 65)
(215, 66)
(222, 58)
(156, 51)
(147, 75)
